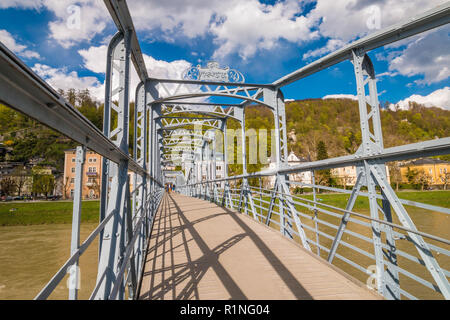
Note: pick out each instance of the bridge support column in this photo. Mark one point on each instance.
(372, 143)
(246, 197)
(76, 220)
(274, 97)
(226, 200)
(140, 205)
(113, 201)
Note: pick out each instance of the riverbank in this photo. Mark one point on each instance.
(60, 212)
(42, 212)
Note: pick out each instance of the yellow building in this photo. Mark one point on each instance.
(437, 171)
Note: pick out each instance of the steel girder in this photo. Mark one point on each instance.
(114, 177)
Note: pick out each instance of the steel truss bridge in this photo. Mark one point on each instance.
(166, 110)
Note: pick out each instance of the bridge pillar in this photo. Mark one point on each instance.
(76, 219)
(372, 143)
(140, 205)
(114, 175)
(274, 97)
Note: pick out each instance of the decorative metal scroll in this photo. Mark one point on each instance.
(213, 72)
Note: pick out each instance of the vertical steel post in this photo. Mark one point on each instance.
(110, 66)
(113, 234)
(372, 143)
(76, 219)
(274, 97)
(316, 225)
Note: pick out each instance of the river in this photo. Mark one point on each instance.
(30, 255)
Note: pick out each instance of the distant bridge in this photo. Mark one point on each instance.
(154, 245)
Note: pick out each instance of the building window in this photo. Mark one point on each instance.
(92, 169)
(218, 167)
(431, 171)
(72, 180)
(72, 193)
(73, 170)
(73, 159)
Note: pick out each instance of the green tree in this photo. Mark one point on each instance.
(43, 184)
(324, 176)
(411, 175)
(7, 186)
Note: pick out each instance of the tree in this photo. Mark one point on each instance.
(323, 176)
(21, 177)
(321, 151)
(411, 175)
(395, 174)
(445, 178)
(423, 179)
(7, 186)
(43, 183)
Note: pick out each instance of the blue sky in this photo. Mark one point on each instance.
(263, 39)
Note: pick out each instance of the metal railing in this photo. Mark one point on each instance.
(322, 224)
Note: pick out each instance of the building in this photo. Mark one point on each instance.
(293, 159)
(91, 175)
(24, 176)
(346, 176)
(436, 171)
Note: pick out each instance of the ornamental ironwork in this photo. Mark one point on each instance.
(213, 72)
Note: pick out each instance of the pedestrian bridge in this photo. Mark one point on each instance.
(231, 236)
(199, 250)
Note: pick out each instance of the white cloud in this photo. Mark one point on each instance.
(262, 28)
(332, 45)
(341, 96)
(76, 20)
(8, 40)
(348, 19)
(428, 56)
(237, 26)
(345, 20)
(439, 98)
(94, 59)
(186, 18)
(23, 4)
(60, 78)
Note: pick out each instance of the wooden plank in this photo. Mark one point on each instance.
(202, 251)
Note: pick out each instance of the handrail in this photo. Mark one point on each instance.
(409, 27)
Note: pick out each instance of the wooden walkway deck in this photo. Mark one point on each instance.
(199, 250)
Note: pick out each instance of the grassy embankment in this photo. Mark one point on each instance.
(60, 212)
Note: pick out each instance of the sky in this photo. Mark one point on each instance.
(65, 41)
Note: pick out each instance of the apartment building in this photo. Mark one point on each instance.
(91, 175)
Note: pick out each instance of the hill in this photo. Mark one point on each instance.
(333, 121)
